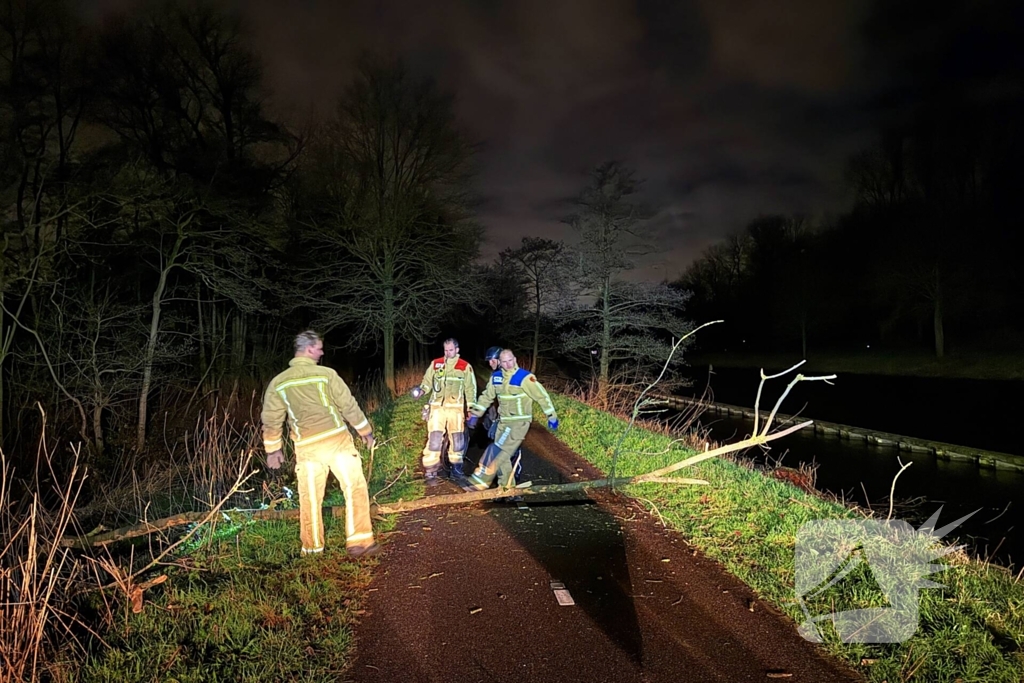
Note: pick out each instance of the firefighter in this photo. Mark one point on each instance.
(317, 403)
(490, 418)
(516, 390)
(491, 356)
(490, 422)
(452, 385)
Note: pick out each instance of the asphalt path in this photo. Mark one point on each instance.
(471, 593)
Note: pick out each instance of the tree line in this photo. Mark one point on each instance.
(162, 230)
(164, 236)
(927, 256)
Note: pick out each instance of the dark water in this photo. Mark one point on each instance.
(978, 413)
(862, 472)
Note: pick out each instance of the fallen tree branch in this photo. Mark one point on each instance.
(722, 450)
(146, 528)
(656, 476)
(526, 488)
(642, 401)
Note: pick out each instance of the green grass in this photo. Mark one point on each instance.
(246, 606)
(248, 610)
(971, 630)
(965, 365)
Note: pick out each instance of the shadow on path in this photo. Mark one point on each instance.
(580, 545)
(464, 594)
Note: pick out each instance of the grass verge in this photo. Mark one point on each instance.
(245, 606)
(972, 629)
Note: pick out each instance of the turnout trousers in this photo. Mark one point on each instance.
(497, 460)
(313, 462)
(451, 419)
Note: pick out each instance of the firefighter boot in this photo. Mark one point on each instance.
(457, 475)
(432, 476)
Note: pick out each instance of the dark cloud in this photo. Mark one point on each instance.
(805, 45)
(728, 108)
(731, 176)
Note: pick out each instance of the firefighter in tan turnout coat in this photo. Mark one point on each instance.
(451, 383)
(317, 403)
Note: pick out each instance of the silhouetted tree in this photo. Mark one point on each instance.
(545, 268)
(392, 232)
(622, 321)
(181, 87)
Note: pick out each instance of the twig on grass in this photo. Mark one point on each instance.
(892, 490)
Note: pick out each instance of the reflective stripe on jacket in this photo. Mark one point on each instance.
(316, 401)
(450, 382)
(516, 391)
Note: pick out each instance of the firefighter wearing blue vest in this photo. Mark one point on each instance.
(490, 418)
(516, 390)
(452, 385)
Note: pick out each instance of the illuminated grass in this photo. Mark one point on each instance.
(971, 630)
(246, 607)
(247, 611)
(252, 610)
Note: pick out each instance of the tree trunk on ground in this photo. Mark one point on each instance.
(526, 488)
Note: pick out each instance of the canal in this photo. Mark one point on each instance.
(963, 412)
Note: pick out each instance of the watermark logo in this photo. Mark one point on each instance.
(891, 554)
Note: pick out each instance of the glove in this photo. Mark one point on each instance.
(471, 422)
(369, 440)
(425, 413)
(553, 424)
(275, 459)
(416, 392)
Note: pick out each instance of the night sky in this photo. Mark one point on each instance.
(728, 108)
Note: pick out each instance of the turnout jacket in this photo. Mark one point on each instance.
(516, 391)
(317, 403)
(451, 382)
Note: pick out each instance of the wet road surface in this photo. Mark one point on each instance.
(466, 594)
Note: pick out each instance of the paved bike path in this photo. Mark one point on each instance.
(465, 594)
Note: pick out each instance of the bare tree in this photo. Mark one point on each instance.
(175, 237)
(182, 87)
(503, 301)
(43, 81)
(393, 236)
(928, 190)
(879, 174)
(97, 344)
(545, 268)
(42, 86)
(632, 328)
(618, 320)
